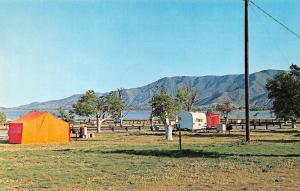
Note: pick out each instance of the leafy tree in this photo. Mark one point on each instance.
(164, 107)
(90, 105)
(87, 104)
(116, 103)
(66, 116)
(2, 118)
(226, 108)
(187, 97)
(103, 107)
(209, 110)
(284, 91)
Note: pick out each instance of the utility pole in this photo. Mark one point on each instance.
(180, 146)
(247, 74)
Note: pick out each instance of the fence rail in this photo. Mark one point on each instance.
(259, 122)
(129, 125)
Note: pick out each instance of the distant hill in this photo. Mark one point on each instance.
(213, 89)
(53, 104)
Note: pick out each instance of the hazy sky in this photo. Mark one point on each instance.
(53, 49)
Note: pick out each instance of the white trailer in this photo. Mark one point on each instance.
(192, 120)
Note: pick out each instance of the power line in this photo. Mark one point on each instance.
(272, 40)
(276, 20)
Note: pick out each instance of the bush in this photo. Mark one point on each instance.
(2, 118)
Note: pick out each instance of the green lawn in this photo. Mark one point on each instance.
(144, 161)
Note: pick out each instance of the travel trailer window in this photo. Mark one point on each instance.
(198, 120)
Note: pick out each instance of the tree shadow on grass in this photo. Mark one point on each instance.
(62, 150)
(152, 133)
(86, 140)
(213, 135)
(189, 134)
(275, 131)
(279, 141)
(190, 153)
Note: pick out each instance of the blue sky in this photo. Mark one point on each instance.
(53, 49)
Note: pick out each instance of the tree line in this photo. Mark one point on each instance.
(112, 106)
(283, 91)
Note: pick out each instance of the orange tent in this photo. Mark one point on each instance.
(38, 127)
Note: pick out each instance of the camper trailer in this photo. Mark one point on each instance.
(197, 120)
(213, 120)
(192, 120)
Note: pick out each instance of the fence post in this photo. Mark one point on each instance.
(111, 127)
(180, 147)
(267, 125)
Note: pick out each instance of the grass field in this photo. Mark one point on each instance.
(144, 161)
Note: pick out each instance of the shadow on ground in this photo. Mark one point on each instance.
(156, 133)
(278, 141)
(86, 140)
(275, 131)
(62, 150)
(185, 153)
(213, 135)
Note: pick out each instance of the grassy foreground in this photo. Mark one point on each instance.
(144, 161)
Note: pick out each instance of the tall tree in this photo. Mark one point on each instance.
(186, 97)
(284, 91)
(90, 105)
(225, 108)
(115, 103)
(164, 107)
(154, 92)
(65, 115)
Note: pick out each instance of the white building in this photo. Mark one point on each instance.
(192, 120)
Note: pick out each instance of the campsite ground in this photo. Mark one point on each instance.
(144, 161)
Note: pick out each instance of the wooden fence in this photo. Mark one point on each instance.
(128, 125)
(137, 124)
(258, 122)
(109, 125)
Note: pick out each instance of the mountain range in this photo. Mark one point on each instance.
(212, 90)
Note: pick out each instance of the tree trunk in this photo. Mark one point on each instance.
(98, 124)
(226, 120)
(121, 120)
(151, 122)
(188, 108)
(293, 124)
(168, 130)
